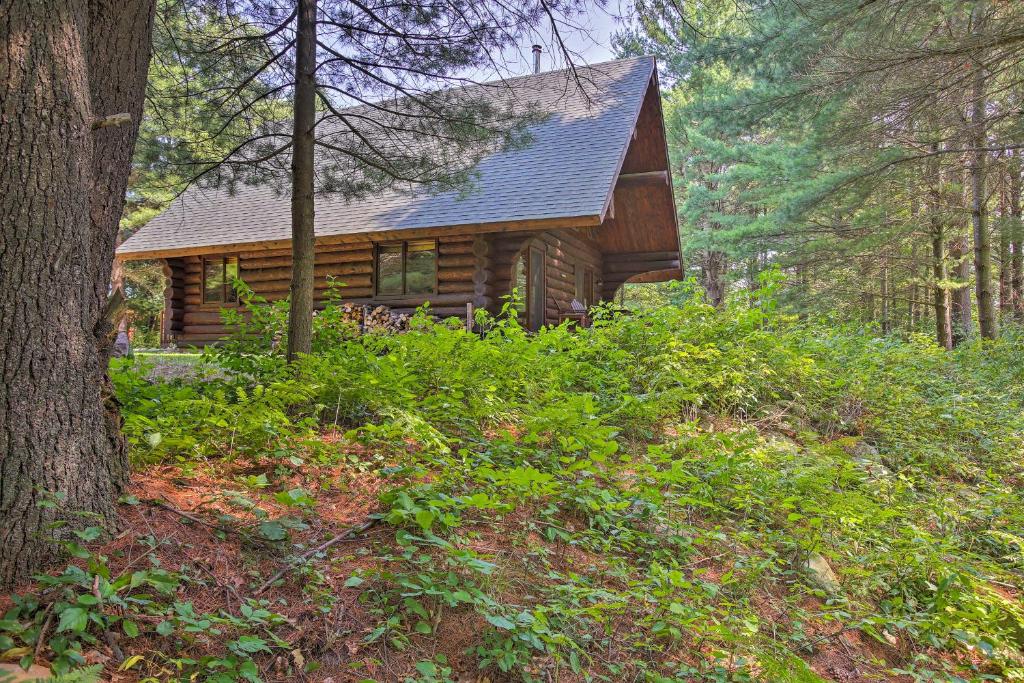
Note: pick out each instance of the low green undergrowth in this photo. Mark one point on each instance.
(680, 494)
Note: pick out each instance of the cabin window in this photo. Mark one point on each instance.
(589, 280)
(219, 274)
(407, 268)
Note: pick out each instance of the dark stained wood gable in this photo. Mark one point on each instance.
(639, 237)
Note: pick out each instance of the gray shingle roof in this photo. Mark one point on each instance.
(567, 170)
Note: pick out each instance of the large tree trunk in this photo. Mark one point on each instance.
(960, 298)
(62, 66)
(943, 321)
(867, 292)
(976, 173)
(713, 267)
(1006, 229)
(883, 289)
(1017, 239)
(300, 313)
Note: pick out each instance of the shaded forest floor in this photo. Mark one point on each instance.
(201, 527)
(684, 495)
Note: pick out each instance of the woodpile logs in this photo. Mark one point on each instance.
(382, 320)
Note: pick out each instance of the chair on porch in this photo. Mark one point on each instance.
(576, 313)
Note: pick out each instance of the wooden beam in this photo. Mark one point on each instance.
(642, 256)
(646, 178)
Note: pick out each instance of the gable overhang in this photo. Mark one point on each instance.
(640, 214)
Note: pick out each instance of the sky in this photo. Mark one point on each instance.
(590, 39)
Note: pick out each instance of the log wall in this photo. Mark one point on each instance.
(568, 253)
(470, 269)
(621, 267)
(268, 273)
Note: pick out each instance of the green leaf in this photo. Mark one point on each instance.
(295, 497)
(165, 628)
(273, 530)
(251, 644)
(426, 668)
(354, 581)
(425, 518)
(131, 629)
(423, 627)
(73, 619)
(500, 622)
(89, 534)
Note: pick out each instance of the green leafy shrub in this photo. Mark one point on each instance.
(652, 441)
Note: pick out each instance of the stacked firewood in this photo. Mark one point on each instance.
(352, 313)
(383, 320)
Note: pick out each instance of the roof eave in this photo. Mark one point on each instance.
(538, 224)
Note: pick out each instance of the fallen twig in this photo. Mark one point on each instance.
(181, 513)
(216, 526)
(351, 532)
(41, 638)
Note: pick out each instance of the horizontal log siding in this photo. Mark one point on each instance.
(566, 251)
(268, 273)
(621, 267)
(174, 298)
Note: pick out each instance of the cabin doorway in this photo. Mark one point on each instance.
(528, 281)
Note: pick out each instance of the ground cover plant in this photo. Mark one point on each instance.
(679, 494)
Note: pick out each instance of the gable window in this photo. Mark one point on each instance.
(219, 274)
(406, 268)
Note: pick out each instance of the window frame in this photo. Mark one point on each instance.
(404, 294)
(226, 286)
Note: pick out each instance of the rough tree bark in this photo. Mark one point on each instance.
(867, 294)
(943, 321)
(713, 268)
(63, 65)
(1017, 239)
(960, 298)
(976, 172)
(300, 313)
(883, 289)
(1005, 266)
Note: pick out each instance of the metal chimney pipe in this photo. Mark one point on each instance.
(536, 59)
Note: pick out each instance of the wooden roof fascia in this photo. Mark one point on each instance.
(532, 224)
(632, 136)
(668, 167)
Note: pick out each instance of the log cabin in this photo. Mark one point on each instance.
(584, 207)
